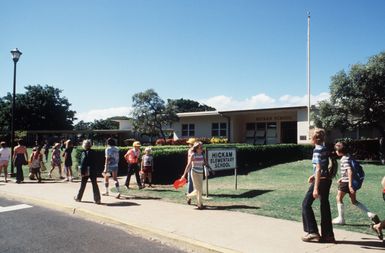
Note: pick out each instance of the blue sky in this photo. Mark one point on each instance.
(230, 54)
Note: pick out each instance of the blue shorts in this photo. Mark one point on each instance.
(112, 169)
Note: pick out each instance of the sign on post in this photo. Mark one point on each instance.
(222, 159)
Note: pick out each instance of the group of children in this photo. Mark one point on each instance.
(320, 183)
(142, 167)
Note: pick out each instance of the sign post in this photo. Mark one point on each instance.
(221, 159)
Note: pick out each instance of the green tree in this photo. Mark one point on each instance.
(357, 98)
(104, 124)
(39, 108)
(187, 105)
(150, 115)
(82, 125)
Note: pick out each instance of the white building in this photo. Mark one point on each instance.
(258, 126)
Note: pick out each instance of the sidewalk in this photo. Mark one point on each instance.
(201, 230)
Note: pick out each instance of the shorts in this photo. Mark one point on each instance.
(344, 187)
(68, 163)
(147, 169)
(112, 169)
(34, 170)
(4, 163)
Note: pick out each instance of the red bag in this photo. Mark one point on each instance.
(179, 183)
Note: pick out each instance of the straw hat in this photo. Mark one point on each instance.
(136, 144)
(191, 141)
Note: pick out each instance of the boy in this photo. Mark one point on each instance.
(320, 183)
(147, 167)
(345, 186)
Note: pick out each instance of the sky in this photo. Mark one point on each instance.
(229, 54)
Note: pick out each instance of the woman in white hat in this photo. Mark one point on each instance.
(132, 158)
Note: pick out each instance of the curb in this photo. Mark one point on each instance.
(180, 242)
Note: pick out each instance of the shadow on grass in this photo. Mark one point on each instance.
(248, 194)
(161, 190)
(366, 243)
(230, 207)
(141, 197)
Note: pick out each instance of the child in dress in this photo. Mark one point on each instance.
(35, 160)
(56, 160)
(147, 167)
(345, 187)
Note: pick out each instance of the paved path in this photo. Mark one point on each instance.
(201, 230)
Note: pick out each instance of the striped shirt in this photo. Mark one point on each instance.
(321, 156)
(197, 163)
(345, 167)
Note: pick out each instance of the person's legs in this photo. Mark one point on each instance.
(363, 208)
(137, 176)
(340, 219)
(19, 173)
(83, 185)
(129, 174)
(326, 216)
(197, 181)
(149, 177)
(95, 189)
(106, 183)
(115, 177)
(308, 218)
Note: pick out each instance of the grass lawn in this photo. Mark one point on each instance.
(278, 191)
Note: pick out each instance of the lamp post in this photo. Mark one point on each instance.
(15, 56)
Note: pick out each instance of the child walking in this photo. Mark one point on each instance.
(320, 183)
(56, 160)
(35, 161)
(147, 167)
(111, 166)
(345, 186)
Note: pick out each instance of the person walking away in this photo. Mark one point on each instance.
(147, 167)
(111, 166)
(195, 164)
(345, 186)
(46, 150)
(190, 186)
(132, 158)
(35, 161)
(20, 158)
(5, 155)
(88, 170)
(56, 160)
(67, 154)
(320, 183)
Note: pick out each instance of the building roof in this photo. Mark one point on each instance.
(219, 113)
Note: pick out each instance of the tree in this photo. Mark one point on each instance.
(40, 108)
(187, 105)
(357, 98)
(104, 124)
(82, 125)
(150, 113)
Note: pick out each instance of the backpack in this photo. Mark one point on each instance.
(358, 174)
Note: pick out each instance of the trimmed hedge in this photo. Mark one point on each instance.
(170, 161)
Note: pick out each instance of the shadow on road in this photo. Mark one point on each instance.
(229, 207)
(366, 243)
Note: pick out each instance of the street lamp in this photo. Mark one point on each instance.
(15, 56)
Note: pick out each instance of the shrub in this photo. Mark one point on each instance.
(170, 161)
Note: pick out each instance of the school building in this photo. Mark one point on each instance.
(257, 126)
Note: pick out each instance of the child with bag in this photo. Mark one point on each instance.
(348, 184)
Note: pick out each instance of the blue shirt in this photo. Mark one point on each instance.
(112, 154)
(321, 157)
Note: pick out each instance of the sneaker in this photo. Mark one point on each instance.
(378, 232)
(375, 219)
(338, 221)
(76, 199)
(311, 237)
(327, 239)
(118, 196)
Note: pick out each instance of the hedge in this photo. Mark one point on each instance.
(170, 161)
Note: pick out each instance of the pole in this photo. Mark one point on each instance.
(236, 180)
(13, 118)
(308, 73)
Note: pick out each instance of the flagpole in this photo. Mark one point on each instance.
(308, 72)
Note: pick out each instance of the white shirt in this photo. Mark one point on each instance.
(5, 154)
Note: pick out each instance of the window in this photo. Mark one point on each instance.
(219, 129)
(188, 130)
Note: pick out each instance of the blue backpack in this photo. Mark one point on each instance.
(358, 174)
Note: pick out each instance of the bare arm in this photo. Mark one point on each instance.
(317, 179)
(188, 167)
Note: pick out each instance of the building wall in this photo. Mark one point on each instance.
(303, 127)
(202, 125)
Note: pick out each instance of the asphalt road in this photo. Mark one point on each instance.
(36, 229)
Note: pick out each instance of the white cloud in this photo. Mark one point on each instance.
(223, 103)
(98, 114)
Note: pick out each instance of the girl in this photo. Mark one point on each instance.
(196, 164)
(20, 158)
(320, 183)
(5, 154)
(55, 160)
(68, 159)
(147, 167)
(35, 161)
(111, 166)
